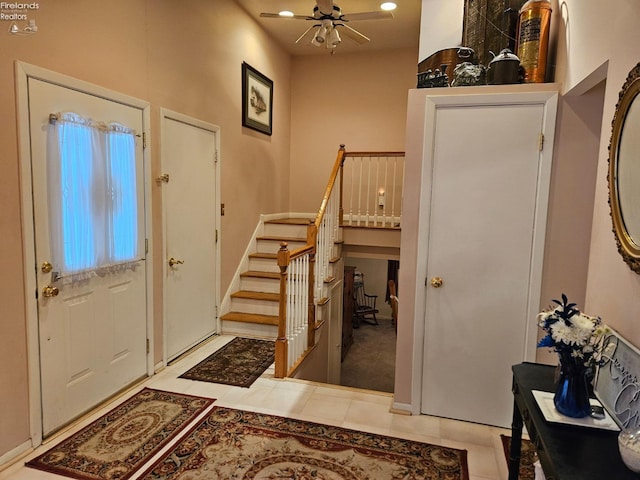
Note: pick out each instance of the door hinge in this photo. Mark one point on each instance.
(216, 235)
(162, 178)
(146, 245)
(541, 142)
(144, 140)
(216, 157)
(148, 346)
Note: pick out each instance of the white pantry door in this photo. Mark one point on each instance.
(92, 334)
(190, 208)
(483, 210)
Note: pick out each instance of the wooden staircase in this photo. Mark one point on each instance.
(254, 307)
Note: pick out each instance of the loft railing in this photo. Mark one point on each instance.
(372, 189)
(370, 185)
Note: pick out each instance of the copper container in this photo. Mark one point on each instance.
(533, 39)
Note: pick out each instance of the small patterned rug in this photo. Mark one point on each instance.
(120, 442)
(528, 456)
(232, 443)
(240, 362)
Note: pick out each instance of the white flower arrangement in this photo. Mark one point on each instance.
(577, 337)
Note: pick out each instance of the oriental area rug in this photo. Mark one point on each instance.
(527, 457)
(230, 443)
(119, 443)
(240, 362)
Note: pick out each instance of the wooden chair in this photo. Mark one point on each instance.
(393, 301)
(364, 304)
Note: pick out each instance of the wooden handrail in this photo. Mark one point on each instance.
(374, 154)
(298, 252)
(332, 180)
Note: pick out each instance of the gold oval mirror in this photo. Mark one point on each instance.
(624, 171)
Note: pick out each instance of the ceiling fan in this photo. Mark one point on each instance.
(327, 18)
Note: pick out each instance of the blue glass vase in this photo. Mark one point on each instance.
(572, 390)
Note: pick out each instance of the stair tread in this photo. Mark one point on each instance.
(270, 297)
(270, 256)
(280, 238)
(291, 221)
(256, 273)
(251, 318)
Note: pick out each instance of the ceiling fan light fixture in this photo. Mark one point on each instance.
(388, 6)
(286, 13)
(319, 36)
(333, 38)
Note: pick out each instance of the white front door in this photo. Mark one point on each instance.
(92, 330)
(190, 208)
(482, 227)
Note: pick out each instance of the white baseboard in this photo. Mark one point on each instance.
(403, 408)
(12, 456)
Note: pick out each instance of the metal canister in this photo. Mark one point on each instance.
(533, 39)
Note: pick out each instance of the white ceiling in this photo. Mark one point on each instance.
(400, 32)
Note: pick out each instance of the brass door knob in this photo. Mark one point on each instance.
(173, 261)
(46, 267)
(436, 282)
(50, 291)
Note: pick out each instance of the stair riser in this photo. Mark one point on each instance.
(247, 305)
(249, 329)
(263, 265)
(272, 246)
(285, 230)
(260, 284)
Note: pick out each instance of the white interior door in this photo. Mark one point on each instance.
(92, 333)
(190, 205)
(484, 195)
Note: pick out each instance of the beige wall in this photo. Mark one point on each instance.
(185, 56)
(358, 99)
(613, 290)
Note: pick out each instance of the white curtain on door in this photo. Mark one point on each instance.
(92, 194)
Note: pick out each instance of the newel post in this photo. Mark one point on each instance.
(281, 342)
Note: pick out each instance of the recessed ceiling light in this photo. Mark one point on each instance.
(285, 13)
(388, 6)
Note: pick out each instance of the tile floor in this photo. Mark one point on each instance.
(327, 404)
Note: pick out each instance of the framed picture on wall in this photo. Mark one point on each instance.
(257, 100)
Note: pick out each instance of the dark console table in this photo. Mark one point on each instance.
(566, 452)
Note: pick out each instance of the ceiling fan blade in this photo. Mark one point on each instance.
(352, 17)
(277, 15)
(353, 34)
(325, 6)
(305, 32)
